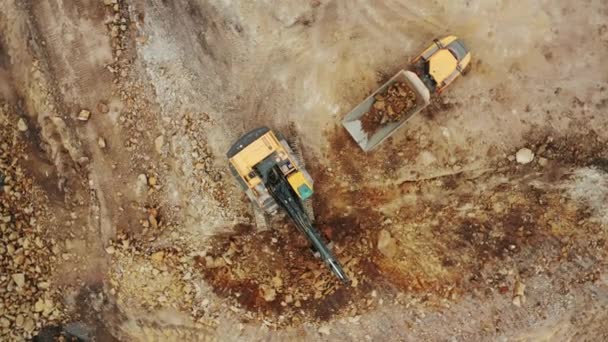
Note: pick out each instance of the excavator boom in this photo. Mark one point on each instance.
(283, 194)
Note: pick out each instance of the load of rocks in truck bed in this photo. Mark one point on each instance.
(391, 106)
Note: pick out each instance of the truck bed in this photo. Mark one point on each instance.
(369, 139)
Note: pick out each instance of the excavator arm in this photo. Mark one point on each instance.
(282, 192)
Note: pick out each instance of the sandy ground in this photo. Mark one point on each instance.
(142, 234)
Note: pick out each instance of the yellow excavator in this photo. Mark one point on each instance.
(272, 176)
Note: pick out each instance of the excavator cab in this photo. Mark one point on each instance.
(298, 182)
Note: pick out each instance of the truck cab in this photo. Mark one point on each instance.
(441, 63)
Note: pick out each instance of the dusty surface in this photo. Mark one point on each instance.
(120, 220)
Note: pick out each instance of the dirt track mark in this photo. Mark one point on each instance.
(75, 27)
(4, 58)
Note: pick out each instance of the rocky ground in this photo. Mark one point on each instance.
(28, 255)
(485, 218)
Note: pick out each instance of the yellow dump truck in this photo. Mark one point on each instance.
(272, 176)
(430, 73)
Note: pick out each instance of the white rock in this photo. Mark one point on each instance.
(21, 125)
(48, 306)
(519, 288)
(5, 323)
(268, 293)
(19, 279)
(19, 320)
(29, 325)
(324, 330)
(141, 185)
(517, 301)
(101, 142)
(354, 319)
(84, 115)
(158, 256)
(386, 244)
(288, 299)
(277, 282)
(426, 158)
(39, 306)
(158, 143)
(524, 156)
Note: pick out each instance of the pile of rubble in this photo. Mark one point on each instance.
(159, 277)
(391, 106)
(281, 283)
(146, 278)
(27, 258)
(118, 25)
